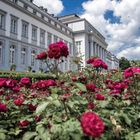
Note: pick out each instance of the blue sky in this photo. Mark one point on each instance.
(72, 6)
(117, 20)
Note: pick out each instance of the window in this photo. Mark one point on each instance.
(13, 24)
(2, 20)
(25, 29)
(25, 6)
(42, 16)
(12, 55)
(78, 46)
(34, 33)
(23, 56)
(34, 11)
(55, 38)
(49, 41)
(1, 52)
(15, 1)
(33, 54)
(42, 36)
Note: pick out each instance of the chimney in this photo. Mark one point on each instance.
(46, 10)
(31, 1)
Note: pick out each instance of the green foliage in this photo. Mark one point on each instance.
(124, 63)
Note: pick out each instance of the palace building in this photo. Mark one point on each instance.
(26, 30)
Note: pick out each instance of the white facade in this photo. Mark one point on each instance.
(88, 41)
(26, 30)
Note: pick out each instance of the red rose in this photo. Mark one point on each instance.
(90, 105)
(54, 51)
(37, 118)
(50, 83)
(90, 87)
(64, 48)
(23, 123)
(32, 107)
(1, 92)
(42, 55)
(74, 78)
(2, 82)
(18, 102)
(25, 81)
(3, 107)
(10, 83)
(100, 97)
(92, 125)
(65, 96)
(41, 84)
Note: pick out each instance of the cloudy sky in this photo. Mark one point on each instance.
(117, 20)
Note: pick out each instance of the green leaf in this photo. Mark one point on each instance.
(29, 135)
(103, 104)
(81, 86)
(127, 120)
(41, 107)
(137, 136)
(2, 136)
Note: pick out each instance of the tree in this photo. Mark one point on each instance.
(124, 63)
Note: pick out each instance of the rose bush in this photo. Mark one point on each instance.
(83, 105)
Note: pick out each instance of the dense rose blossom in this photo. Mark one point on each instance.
(41, 84)
(90, 105)
(54, 51)
(115, 92)
(99, 97)
(18, 102)
(128, 73)
(24, 123)
(42, 55)
(10, 83)
(2, 82)
(97, 63)
(92, 125)
(37, 118)
(1, 92)
(50, 83)
(32, 107)
(3, 107)
(16, 88)
(90, 87)
(64, 48)
(25, 81)
(57, 50)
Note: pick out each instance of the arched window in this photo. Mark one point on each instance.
(33, 54)
(23, 56)
(1, 51)
(12, 55)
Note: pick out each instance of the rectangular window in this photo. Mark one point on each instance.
(33, 54)
(55, 38)
(14, 22)
(23, 56)
(49, 41)
(2, 20)
(34, 33)
(78, 46)
(25, 29)
(42, 36)
(12, 55)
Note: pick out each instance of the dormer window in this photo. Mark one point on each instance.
(34, 12)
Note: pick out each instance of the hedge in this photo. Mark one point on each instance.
(34, 76)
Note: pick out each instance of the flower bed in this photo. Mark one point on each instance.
(83, 105)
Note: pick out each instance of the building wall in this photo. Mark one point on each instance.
(29, 44)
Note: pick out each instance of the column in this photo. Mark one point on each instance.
(7, 22)
(6, 54)
(19, 30)
(95, 46)
(29, 33)
(91, 49)
(46, 44)
(18, 55)
(98, 50)
(38, 37)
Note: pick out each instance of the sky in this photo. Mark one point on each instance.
(117, 20)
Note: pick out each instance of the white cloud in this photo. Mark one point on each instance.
(54, 6)
(121, 37)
